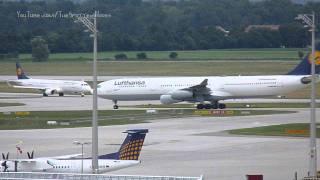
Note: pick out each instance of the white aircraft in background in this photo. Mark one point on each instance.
(49, 87)
(127, 156)
(210, 89)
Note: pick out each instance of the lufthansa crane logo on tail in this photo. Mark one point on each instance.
(316, 58)
(19, 71)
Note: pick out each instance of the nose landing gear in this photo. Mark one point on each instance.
(115, 106)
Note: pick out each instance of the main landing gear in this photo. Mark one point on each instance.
(214, 105)
(115, 106)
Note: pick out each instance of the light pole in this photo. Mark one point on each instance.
(309, 20)
(81, 143)
(92, 26)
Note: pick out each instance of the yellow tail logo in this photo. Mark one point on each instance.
(316, 58)
(19, 71)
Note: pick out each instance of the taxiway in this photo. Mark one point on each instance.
(180, 147)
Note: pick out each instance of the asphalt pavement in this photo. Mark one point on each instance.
(180, 147)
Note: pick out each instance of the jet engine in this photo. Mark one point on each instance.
(167, 99)
(53, 91)
(181, 95)
(49, 91)
(306, 80)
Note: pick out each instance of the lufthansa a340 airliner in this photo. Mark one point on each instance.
(210, 89)
(49, 87)
(127, 156)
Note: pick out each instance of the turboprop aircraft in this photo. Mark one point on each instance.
(49, 87)
(127, 156)
(210, 89)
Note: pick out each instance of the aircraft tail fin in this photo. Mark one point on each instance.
(20, 72)
(131, 146)
(304, 67)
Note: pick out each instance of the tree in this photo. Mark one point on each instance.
(141, 55)
(300, 54)
(121, 56)
(173, 55)
(40, 50)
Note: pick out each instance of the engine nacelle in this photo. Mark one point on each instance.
(49, 91)
(53, 91)
(167, 99)
(181, 95)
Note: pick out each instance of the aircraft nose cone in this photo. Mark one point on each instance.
(99, 91)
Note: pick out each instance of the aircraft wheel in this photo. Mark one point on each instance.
(61, 94)
(200, 106)
(115, 107)
(82, 95)
(222, 106)
(45, 95)
(213, 106)
(207, 106)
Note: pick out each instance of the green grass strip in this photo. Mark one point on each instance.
(291, 130)
(11, 104)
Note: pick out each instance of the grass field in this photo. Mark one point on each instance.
(188, 63)
(294, 130)
(153, 68)
(226, 54)
(38, 120)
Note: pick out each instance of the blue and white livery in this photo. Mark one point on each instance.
(210, 89)
(49, 87)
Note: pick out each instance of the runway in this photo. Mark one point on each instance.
(174, 146)
(36, 102)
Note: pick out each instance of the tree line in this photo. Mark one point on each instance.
(154, 25)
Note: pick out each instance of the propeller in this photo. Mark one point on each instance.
(5, 157)
(30, 155)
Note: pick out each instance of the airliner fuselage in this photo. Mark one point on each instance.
(219, 87)
(213, 88)
(67, 166)
(48, 86)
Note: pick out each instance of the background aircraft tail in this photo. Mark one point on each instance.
(20, 72)
(131, 147)
(304, 67)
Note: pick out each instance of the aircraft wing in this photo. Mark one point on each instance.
(24, 160)
(202, 90)
(70, 156)
(47, 90)
(30, 87)
(199, 89)
(17, 84)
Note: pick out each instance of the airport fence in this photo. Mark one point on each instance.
(31, 175)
